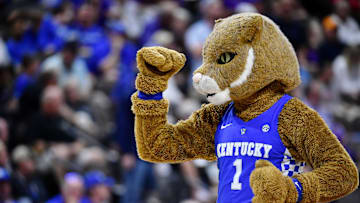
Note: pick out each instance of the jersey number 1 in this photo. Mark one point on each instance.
(236, 185)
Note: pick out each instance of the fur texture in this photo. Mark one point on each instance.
(275, 71)
(160, 64)
(274, 57)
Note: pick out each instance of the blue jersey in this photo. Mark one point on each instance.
(240, 144)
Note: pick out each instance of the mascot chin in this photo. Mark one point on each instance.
(260, 136)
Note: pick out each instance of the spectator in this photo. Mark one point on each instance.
(25, 79)
(5, 187)
(346, 87)
(331, 47)
(23, 40)
(346, 69)
(72, 190)
(30, 101)
(55, 29)
(136, 15)
(30, 66)
(25, 181)
(162, 20)
(348, 28)
(290, 17)
(197, 33)
(95, 44)
(98, 186)
(48, 124)
(137, 173)
(178, 24)
(69, 67)
(122, 51)
(102, 9)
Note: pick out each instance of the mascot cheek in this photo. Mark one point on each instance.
(247, 70)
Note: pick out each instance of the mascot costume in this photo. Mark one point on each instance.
(260, 136)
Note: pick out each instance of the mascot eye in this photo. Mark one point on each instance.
(226, 57)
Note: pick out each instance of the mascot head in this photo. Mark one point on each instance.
(242, 55)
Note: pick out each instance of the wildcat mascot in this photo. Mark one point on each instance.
(260, 136)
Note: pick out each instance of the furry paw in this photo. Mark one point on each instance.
(159, 61)
(156, 66)
(269, 184)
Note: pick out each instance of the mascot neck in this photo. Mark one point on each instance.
(259, 102)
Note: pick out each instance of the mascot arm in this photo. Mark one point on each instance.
(308, 138)
(159, 141)
(156, 139)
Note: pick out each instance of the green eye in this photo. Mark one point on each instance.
(226, 57)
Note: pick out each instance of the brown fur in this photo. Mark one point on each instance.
(267, 177)
(275, 72)
(165, 60)
(159, 141)
(275, 57)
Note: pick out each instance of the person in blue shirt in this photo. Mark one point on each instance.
(123, 87)
(72, 190)
(23, 41)
(121, 93)
(138, 175)
(102, 8)
(98, 186)
(30, 66)
(55, 29)
(95, 45)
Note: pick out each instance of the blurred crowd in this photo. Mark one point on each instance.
(67, 70)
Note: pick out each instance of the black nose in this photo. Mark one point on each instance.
(210, 95)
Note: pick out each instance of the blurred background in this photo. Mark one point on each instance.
(67, 70)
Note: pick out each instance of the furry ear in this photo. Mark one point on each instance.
(251, 27)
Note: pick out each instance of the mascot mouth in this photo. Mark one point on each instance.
(219, 97)
(208, 87)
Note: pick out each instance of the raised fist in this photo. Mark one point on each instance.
(156, 65)
(270, 185)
